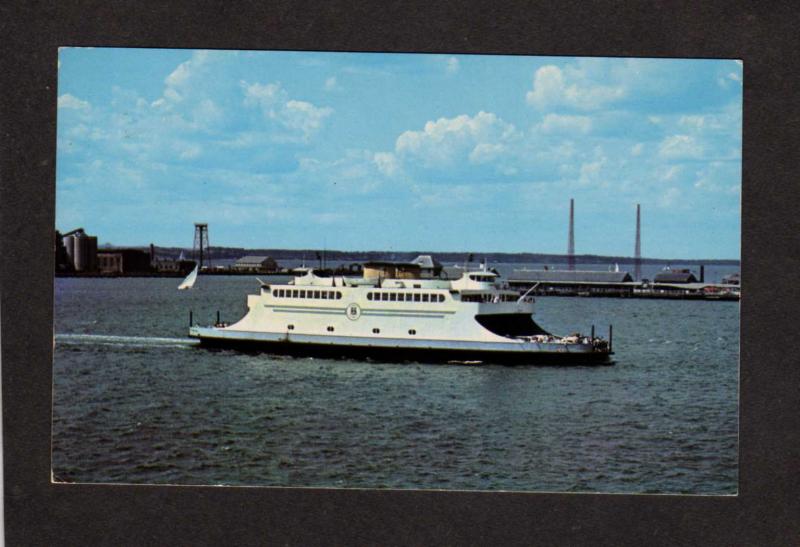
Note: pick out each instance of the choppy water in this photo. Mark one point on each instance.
(135, 401)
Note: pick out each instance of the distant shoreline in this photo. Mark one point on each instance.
(311, 255)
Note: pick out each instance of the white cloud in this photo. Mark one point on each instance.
(486, 152)
(718, 178)
(590, 172)
(669, 173)
(206, 113)
(179, 76)
(387, 163)
(179, 82)
(680, 146)
(304, 116)
(695, 122)
(452, 65)
(70, 101)
(670, 197)
(330, 84)
(637, 148)
(559, 124)
(274, 101)
(446, 140)
(188, 151)
(554, 87)
(264, 95)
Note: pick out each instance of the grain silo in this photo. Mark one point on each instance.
(84, 252)
(69, 246)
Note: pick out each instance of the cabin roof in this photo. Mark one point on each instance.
(427, 262)
(391, 264)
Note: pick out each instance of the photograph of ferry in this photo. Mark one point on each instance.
(408, 271)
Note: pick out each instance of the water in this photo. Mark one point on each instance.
(135, 401)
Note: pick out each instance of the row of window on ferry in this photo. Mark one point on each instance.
(307, 293)
(404, 297)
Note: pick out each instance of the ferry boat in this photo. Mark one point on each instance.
(401, 312)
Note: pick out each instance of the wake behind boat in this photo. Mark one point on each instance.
(401, 312)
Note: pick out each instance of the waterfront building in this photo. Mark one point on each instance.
(123, 261)
(675, 276)
(255, 264)
(573, 282)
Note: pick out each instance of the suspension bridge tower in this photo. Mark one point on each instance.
(571, 240)
(637, 252)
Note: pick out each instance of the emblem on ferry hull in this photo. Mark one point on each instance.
(353, 311)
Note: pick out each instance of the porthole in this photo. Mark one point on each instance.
(290, 327)
(338, 295)
(412, 331)
(376, 331)
(369, 296)
(330, 329)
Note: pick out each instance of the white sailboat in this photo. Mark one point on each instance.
(188, 283)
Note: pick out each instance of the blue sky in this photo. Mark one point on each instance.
(400, 151)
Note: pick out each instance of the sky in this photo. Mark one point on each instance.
(400, 152)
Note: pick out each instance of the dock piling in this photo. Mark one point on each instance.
(191, 322)
(592, 333)
(217, 317)
(611, 338)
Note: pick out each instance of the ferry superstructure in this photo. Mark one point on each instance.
(400, 312)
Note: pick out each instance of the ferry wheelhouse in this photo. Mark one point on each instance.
(401, 312)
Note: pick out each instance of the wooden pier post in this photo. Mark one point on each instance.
(610, 338)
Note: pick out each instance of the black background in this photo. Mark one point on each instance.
(766, 511)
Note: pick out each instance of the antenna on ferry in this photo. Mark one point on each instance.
(468, 261)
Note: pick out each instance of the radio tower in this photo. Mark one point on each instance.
(200, 242)
(571, 243)
(637, 253)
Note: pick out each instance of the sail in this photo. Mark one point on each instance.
(188, 283)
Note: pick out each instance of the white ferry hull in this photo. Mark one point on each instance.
(402, 350)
